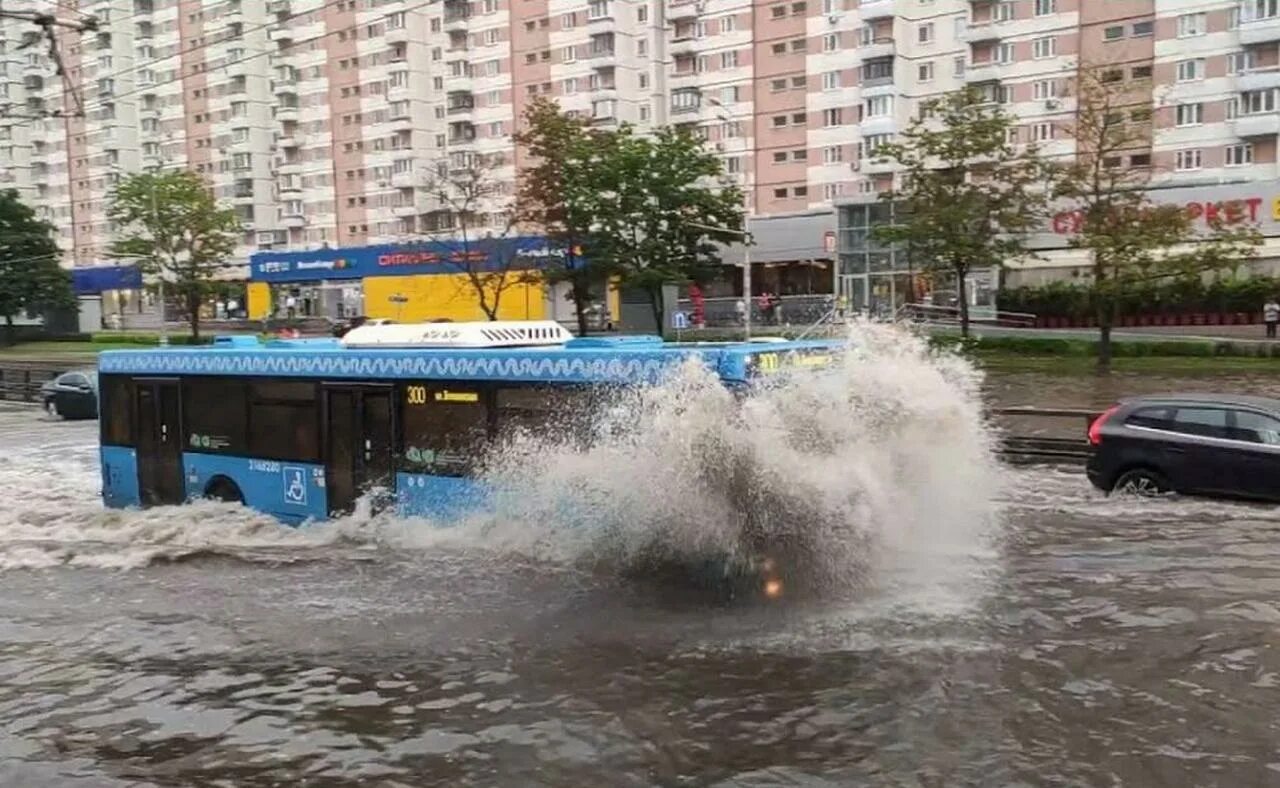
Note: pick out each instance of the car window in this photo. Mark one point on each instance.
(73, 379)
(1204, 422)
(1256, 428)
(1152, 418)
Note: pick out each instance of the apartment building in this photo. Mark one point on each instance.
(333, 122)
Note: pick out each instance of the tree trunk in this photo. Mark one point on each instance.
(9, 339)
(193, 315)
(963, 303)
(1106, 319)
(655, 303)
(581, 297)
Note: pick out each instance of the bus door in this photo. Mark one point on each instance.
(359, 450)
(159, 408)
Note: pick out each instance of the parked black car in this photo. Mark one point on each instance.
(1195, 444)
(72, 395)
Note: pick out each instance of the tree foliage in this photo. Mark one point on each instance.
(172, 224)
(30, 277)
(548, 195)
(650, 210)
(1131, 239)
(663, 213)
(465, 197)
(969, 194)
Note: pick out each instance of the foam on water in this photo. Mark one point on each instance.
(882, 463)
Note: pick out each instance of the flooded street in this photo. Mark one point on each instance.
(1089, 642)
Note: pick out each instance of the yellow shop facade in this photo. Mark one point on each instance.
(413, 282)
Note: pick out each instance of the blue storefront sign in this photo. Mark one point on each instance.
(94, 280)
(427, 257)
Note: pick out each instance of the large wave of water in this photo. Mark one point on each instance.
(881, 462)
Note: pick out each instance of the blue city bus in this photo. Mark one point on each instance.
(302, 428)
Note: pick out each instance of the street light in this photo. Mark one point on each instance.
(723, 115)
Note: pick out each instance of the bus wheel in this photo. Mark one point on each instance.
(223, 489)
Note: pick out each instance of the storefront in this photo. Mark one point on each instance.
(109, 296)
(408, 282)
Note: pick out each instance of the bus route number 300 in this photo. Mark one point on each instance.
(415, 395)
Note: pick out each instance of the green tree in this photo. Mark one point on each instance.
(662, 211)
(1131, 240)
(557, 194)
(970, 194)
(172, 224)
(30, 277)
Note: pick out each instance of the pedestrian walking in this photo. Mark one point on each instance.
(1271, 316)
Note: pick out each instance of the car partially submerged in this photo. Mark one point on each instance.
(72, 395)
(1196, 444)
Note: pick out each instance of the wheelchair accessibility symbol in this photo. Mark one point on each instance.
(295, 485)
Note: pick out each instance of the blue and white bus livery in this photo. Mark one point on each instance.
(302, 428)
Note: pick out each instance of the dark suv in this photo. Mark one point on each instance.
(1197, 444)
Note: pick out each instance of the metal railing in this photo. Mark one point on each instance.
(950, 315)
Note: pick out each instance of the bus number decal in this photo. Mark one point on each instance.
(415, 395)
(769, 362)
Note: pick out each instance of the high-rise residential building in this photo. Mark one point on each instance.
(329, 122)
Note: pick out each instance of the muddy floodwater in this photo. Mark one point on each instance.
(1086, 642)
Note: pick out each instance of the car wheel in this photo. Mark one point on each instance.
(1142, 482)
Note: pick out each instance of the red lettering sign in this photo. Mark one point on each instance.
(408, 258)
(1211, 213)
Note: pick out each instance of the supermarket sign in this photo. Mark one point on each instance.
(1240, 204)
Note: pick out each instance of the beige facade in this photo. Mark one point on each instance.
(323, 121)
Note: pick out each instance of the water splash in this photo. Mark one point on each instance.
(882, 462)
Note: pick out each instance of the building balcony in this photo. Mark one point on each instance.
(602, 56)
(684, 9)
(404, 211)
(887, 124)
(397, 35)
(242, 198)
(684, 45)
(1264, 124)
(293, 220)
(282, 36)
(293, 186)
(989, 71)
(458, 21)
(873, 165)
(403, 180)
(289, 168)
(1260, 31)
(286, 114)
(1259, 79)
(978, 32)
(876, 9)
(285, 87)
(881, 46)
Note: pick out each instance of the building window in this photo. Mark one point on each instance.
(1241, 62)
(1239, 155)
(799, 119)
(1192, 25)
(780, 157)
(924, 33)
(1044, 47)
(733, 164)
(830, 191)
(1045, 89)
(1141, 72)
(1187, 160)
(800, 191)
(879, 106)
(832, 155)
(832, 117)
(780, 194)
(1113, 33)
(1045, 7)
(958, 66)
(1255, 102)
(1253, 10)
(1191, 70)
(1042, 132)
(779, 121)
(642, 14)
(1140, 160)
(1005, 54)
(729, 59)
(830, 42)
(728, 24)
(1144, 29)
(831, 80)
(1190, 114)
(925, 72)
(801, 154)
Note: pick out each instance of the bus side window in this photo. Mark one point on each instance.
(561, 413)
(116, 393)
(283, 420)
(444, 428)
(215, 415)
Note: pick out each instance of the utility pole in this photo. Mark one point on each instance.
(47, 23)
